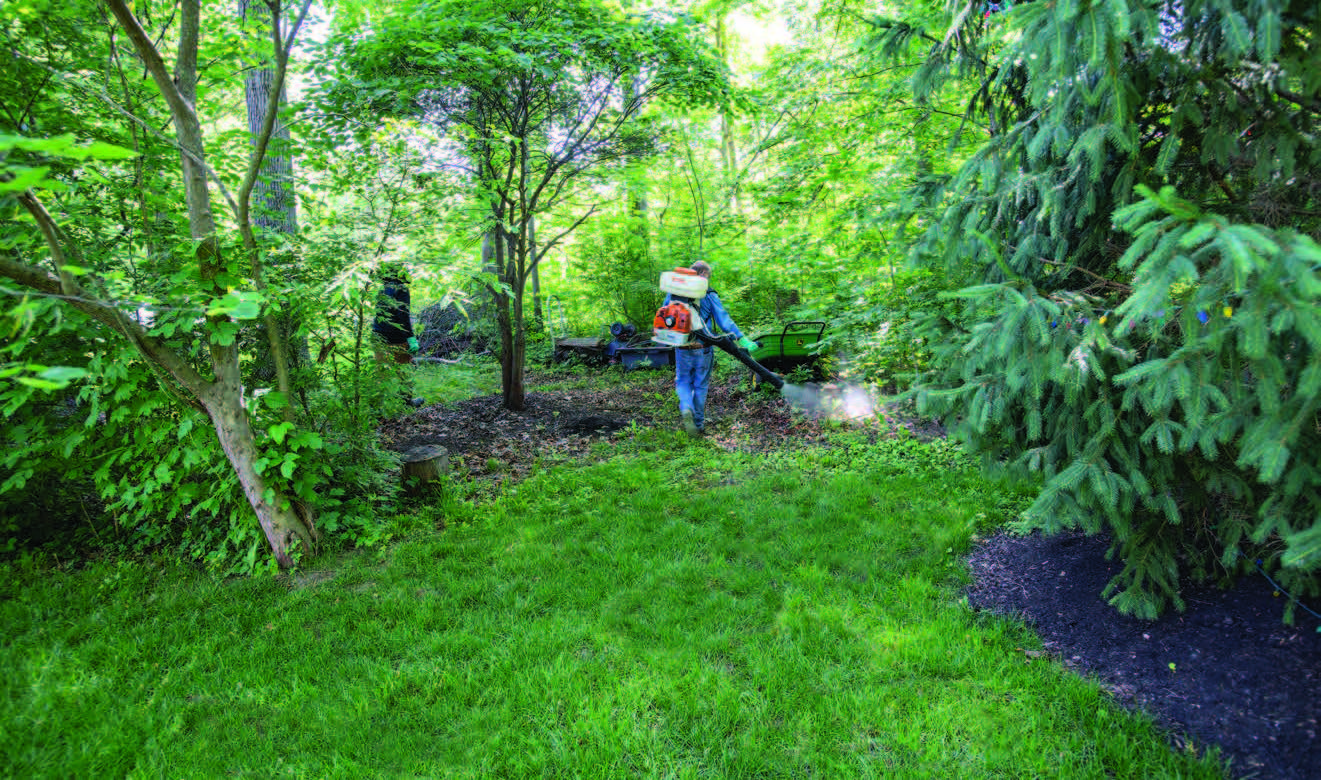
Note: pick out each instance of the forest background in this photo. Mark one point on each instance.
(1083, 234)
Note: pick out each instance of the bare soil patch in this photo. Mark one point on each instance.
(498, 444)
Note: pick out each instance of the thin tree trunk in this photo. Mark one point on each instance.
(536, 268)
(488, 254)
(637, 191)
(516, 395)
(276, 213)
(529, 236)
(506, 306)
(728, 154)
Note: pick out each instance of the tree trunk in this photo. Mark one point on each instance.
(509, 319)
(516, 395)
(276, 210)
(488, 254)
(511, 392)
(637, 194)
(528, 238)
(510, 385)
(536, 269)
(275, 206)
(728, 154)
(280, 521)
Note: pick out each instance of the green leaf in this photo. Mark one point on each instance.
(24, 178)
(224, 333)
(98, 150)
(277, 432)
(63, 374)
(242, 305)
(66, 146)
(39, 384)
(308, 439)
(275, 400)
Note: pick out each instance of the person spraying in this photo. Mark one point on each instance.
(694, 359)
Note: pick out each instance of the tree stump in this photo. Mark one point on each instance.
(424, 467)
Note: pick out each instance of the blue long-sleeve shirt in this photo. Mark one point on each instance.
(713, 311)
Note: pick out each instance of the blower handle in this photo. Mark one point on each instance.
(727, 343)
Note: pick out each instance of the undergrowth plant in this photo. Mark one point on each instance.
(111, 462)
(881, 330)
(470, 376)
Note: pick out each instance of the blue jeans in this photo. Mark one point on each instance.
(692, 376)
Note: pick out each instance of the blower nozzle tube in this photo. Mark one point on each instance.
(727, 344)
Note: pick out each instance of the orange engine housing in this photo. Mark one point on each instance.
(676, 317)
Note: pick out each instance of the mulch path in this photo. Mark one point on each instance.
(1241, 679)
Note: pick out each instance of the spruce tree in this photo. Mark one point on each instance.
(1142, 231)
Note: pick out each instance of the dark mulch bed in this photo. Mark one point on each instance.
(1241, 679)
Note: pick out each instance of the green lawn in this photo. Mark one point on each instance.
(669, 610)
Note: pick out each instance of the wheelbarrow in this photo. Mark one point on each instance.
(793, 347)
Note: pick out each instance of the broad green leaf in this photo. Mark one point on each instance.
(224, 333)
(278, 431)
(275, 400)
(40, 384)
(24, 178)
(308, 439)
(242, 305)
(64, 374)
(98, 150)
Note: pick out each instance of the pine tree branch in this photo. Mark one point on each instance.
(1069, 267)
(1301, 101)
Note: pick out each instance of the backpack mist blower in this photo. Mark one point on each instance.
(679, 323)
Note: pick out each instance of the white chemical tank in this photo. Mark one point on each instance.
(682, 281)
